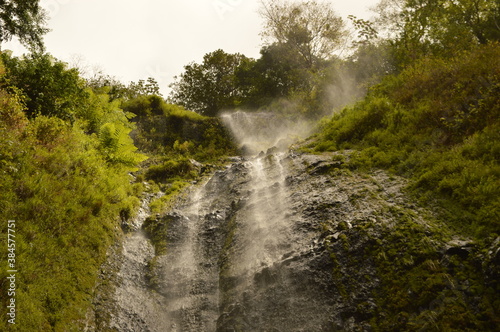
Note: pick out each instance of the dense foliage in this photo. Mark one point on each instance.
(308, 60)
(65, 189)
(24, 19)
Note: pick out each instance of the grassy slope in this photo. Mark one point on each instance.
(436, 123)
(65, 199)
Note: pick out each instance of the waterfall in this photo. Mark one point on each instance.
(230, 245)
(188, 279)
(261, 220)
(263, 236)
(275, 241)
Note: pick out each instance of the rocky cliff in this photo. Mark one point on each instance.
(298, 242)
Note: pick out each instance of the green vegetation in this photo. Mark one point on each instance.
(67, 150)
(419, 272)
(433, 119)
(65, 189)
(421, 288)
(436, 122)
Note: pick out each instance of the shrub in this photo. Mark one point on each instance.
(169, 169)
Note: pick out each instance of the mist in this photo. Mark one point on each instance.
(257, 132)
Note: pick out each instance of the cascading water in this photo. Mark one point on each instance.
(188, 278)
(261, 224)
(276, 241)
(232, 248)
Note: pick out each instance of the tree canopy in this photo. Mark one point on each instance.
(420, 28)
(301, 41)
(24, 19)
(211, 86)
(48, 86)
(310, 29)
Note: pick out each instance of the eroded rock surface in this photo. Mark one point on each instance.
(291, 242)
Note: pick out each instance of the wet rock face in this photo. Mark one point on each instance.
(302, 288)
(286, 242)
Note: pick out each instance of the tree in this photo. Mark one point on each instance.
(438, 27)
(143, 88)
(24, 19)
(278, 73)
(48, 86)
(211, 86)
(310, 29)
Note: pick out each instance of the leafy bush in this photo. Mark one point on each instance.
(183, 132)
(180, 168)
(146, 105)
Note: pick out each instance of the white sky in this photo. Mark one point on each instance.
(137, 39)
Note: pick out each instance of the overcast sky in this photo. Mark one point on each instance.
(137, 39)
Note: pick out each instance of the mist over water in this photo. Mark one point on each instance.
(259, 131)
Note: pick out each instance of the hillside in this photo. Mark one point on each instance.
(124, 210)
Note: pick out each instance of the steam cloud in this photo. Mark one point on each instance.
(260, 131)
